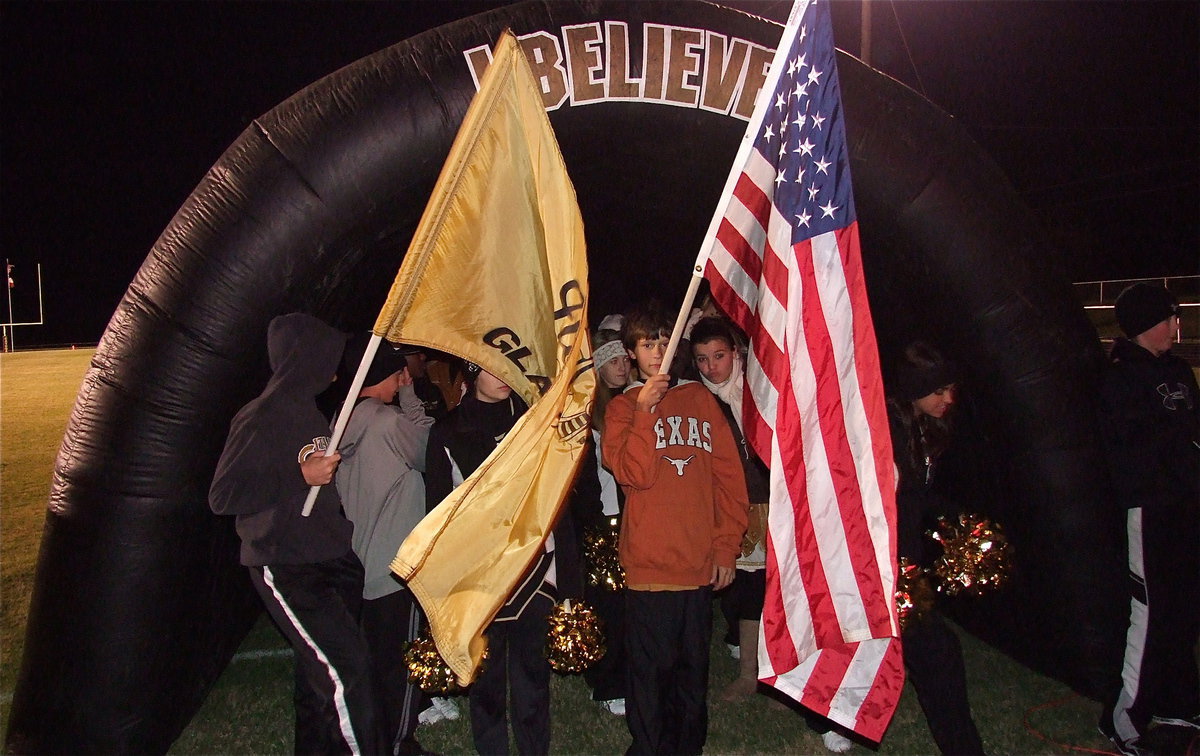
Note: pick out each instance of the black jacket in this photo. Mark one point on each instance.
(1151, 427)
(917, 503)
(469, 433)
(758, 478)
(258, 477)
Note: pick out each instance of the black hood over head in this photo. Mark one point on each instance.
(304, 352)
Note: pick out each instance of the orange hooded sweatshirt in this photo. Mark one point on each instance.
(685, 492)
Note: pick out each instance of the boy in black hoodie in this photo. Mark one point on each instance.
(1152, 435)
(303, 567)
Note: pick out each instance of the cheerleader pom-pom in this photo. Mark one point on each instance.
(600, 553)
(427, 669)
(914, 595)
(976, 556)
(576, 639)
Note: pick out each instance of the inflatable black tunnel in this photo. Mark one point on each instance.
(139, 602)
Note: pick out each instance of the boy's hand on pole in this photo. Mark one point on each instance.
(653, 391)
(318, 469)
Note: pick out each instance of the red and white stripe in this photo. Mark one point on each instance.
(815, 412)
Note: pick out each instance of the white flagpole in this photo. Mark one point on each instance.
(343, 417)
(761, 103)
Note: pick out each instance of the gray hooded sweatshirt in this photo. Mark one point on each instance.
(379, 479)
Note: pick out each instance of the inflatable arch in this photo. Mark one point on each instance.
(139, 602)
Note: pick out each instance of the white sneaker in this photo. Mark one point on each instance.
(614, 706)
(836, 742)
(440, 710)
(430, 716)
(734, 651)
(1192, 722)
(447, 707)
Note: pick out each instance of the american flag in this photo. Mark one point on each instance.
(783, 261)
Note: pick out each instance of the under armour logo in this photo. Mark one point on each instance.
(1171, 397)
(679, 463)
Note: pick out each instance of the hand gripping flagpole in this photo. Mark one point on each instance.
(343, 417)
(761, 103)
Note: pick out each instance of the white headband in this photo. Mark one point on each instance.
(606, 352)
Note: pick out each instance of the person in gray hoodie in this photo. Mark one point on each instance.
(303, 568)
(383, 492)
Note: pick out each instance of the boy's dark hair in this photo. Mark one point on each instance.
(647, 321)
(712, 327)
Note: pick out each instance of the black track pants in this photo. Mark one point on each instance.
(316, 608)
(667, 697)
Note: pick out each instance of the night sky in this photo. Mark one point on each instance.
(112, 113)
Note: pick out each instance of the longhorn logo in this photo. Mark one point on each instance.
(679, 463)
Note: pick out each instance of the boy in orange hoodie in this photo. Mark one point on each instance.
(671, 449)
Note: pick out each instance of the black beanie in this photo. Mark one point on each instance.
(916, 382)
(389, 358)
(1142, 306)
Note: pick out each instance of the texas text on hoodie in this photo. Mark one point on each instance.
(685, 493)
(258, 477)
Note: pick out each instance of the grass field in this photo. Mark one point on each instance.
(249, 709)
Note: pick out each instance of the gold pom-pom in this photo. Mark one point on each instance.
(428, 670)
(914, 595)
(600, 552)
(576, 637)
(976, 556)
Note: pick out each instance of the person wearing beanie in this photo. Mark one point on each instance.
(383, 494)
(1151, 428)
(1142, 306)
(920, 401)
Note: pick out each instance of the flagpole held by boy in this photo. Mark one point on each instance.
(781, 255)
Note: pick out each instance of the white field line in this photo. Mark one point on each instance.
(262, 653)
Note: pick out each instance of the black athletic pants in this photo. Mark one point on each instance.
(316, 607)
(390, 622)
(1159, 678)
(607, 677)
(934, 660)
(668, 637)
(516, 662)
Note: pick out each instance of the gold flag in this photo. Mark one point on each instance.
(497, 274)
